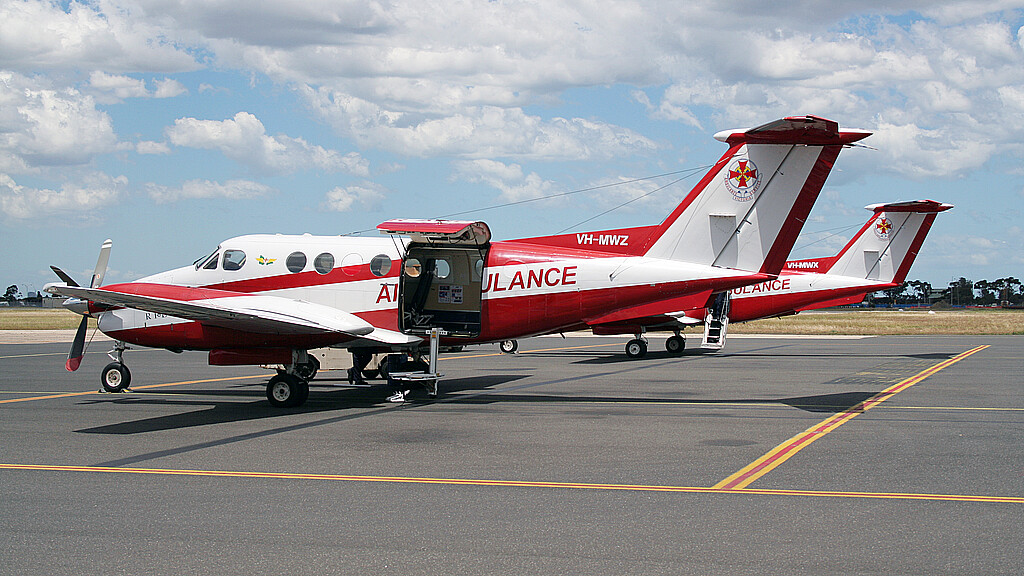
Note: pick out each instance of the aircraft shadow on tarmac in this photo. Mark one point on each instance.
(617, 357)
(222, 411)
(372, 398)
(827, 403)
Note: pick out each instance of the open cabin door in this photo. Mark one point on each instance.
(441, 284)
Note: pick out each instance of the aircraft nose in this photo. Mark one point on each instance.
(77, 305)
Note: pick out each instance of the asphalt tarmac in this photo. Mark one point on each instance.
(884, 455)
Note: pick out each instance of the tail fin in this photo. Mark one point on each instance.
(886, 246)
(749, 208)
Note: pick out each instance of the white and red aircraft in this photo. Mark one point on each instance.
(269, 299)
(878, 257)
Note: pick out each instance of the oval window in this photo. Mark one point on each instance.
(442, 269)
(380, 265)
(296, 261)
(479, 269)
(234, 259)
(350, 264)
(324, 263)
(412, 268)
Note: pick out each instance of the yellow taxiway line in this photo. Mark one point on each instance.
(70, 394)
(776, 456)
(512, 483)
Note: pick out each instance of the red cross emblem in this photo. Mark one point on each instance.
(882, 227)
(744, 174)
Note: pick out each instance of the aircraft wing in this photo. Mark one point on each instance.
(236, 310)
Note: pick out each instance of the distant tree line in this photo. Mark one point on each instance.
(961, 292)
(12, 296)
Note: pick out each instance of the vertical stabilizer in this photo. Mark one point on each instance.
(748, 210)
(885, 247)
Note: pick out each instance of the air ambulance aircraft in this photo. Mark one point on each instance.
(878, 257)
(269, 299)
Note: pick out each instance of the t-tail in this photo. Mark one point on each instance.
(748, 210)
(886, 246)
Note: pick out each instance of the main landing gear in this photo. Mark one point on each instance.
(637, 347)
(287, 390)
(290, 387)
(115, 376)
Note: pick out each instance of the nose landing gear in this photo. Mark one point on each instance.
(116, 376)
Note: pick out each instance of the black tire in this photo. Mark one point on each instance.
(675, 344)
(287, 391)
(115, 377)
(371, 374)
(509, 346)
(636, 348)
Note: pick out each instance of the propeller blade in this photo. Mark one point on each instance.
(64, 276)
(101, 264)
(78, 346)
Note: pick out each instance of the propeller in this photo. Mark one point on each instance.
(78, 344)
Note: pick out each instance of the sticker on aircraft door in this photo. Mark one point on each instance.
(742, 180)
(448, 294)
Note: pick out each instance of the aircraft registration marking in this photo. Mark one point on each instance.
(512, 483)
(776, 456)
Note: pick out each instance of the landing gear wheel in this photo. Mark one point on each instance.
(286, 391)
(675, 344)
(308, 370)
(509, 346)
(115, 377)
(636, 348)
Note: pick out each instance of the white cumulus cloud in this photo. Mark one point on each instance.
(365, 195)
(74, 199)
(243, 138)
(44, 126)
(194, 189)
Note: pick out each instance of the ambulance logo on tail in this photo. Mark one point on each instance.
(743, 180)
(882, 227)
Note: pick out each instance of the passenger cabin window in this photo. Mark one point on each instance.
(412, 267)
(442, 269)
(296, 262)
(380, 265)
(234, 259)
(324, 263)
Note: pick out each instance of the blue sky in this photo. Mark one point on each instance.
(170, 126)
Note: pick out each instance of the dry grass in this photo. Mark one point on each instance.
(966, 322)
(974, 321)
(39, 319)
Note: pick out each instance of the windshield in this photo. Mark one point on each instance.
(199, 263)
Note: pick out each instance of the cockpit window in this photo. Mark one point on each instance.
(234, 259)
(205, 260)
(211, 264)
